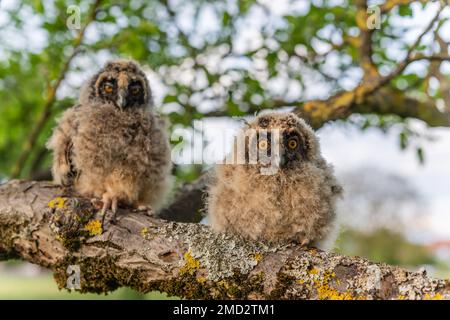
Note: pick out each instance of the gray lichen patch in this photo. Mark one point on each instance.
(14, 226)
(329, 276)
(416, 285)
(222, 255)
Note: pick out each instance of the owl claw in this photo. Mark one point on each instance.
(304, 243)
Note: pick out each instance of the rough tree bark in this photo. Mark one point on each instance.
(41, 224)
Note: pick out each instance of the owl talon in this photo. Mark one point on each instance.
(304, 243)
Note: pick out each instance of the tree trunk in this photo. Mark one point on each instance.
(41, 224)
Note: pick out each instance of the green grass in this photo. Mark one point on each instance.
(44, 287)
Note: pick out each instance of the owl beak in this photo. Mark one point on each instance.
(122, 99)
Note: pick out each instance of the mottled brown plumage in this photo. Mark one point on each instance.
(112, 146)
(295, 203)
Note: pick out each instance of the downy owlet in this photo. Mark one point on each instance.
(282, 190)
(112, 145)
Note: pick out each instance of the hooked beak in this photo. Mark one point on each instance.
(122, 99)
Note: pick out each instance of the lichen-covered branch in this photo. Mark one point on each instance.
(383, 101)
(41, 224)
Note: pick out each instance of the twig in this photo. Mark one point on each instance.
(409, 55)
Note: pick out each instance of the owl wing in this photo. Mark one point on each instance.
(73, 172)
(61, 143)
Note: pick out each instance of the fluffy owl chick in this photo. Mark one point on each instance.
(111, 145)
(285, 192)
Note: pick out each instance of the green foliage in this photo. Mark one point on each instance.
(386, 246)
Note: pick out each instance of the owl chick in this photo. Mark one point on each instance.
(111, 145)
(282, 191)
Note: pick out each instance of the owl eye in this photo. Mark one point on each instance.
(109, 88)
(263, 144)
(292, 144)
(135, 90)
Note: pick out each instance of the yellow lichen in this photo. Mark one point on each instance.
(325, 292)
(201, 279)
(144, 232)
(191, 264)
(344, 99)
(257, 256)
(401, 297)
(314, 271)
(437, 296)
(223, 284)
(57, 203)
(94, 227)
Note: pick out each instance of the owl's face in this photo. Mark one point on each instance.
(121, 83)
(281, 141)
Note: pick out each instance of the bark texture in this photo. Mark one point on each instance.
(42, 224)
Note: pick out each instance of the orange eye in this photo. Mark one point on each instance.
(108, 88)
(292, 144)
(262, 144)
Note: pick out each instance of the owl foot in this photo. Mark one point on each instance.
(109, 203)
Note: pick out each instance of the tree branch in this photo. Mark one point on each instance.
(362, 100)
(187, 260)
